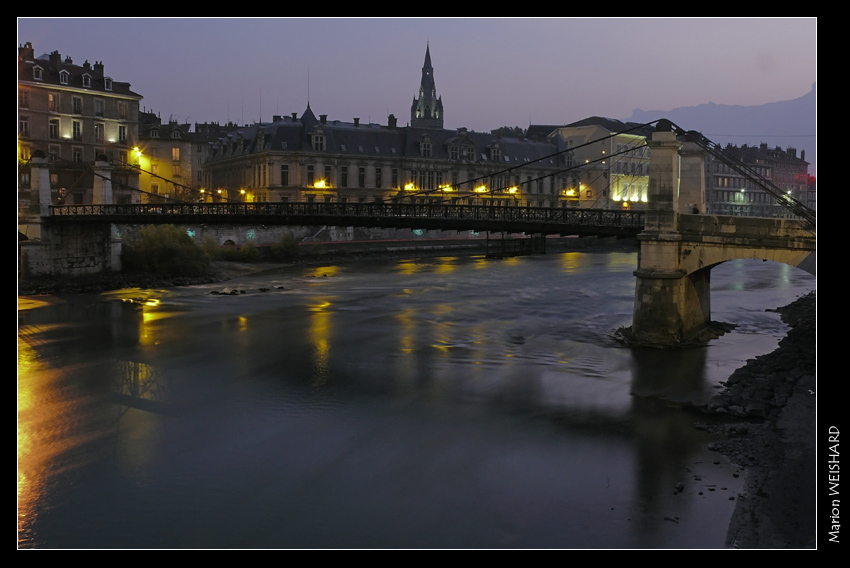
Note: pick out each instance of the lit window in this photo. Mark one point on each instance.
(52, 102)
(175, 154)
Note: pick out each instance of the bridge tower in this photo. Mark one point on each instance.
(672, 304)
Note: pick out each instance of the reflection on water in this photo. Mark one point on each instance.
(437, 402)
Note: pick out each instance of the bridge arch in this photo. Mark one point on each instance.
(678, 247)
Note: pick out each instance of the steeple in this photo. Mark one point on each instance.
(427, 109)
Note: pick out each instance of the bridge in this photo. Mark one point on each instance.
(439, 216)
(678, 245)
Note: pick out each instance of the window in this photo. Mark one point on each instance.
(122, 110)
(24, 126)
(379, 181)
(343, 176)
(77, 154)
(175, 134)
(78, 130)
(77, 105)
(175, 154)
(122, 134)
(318, 142)
(311, 175)
(63, 77)
(98, 107)
(53, 155)
(155, 188)
(425, 149)
(98, 132)
(284, 175)
(26, 153)
(394, 177)
(154, 133)
(87, 81)
(107, 83)
(361, 177)
(52, 102)
(327, 174)
(24, 98)
(454, 152)
(122, 157)
(37, 73)
(495, 154)
(154, 169)
(175, 170)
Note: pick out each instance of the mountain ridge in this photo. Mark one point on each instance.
(787, 124)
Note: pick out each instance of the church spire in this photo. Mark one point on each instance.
(427, 109)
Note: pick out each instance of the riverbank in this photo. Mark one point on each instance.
(770, 433)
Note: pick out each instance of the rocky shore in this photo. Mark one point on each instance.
(769, 405)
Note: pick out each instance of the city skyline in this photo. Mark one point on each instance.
(489, 72)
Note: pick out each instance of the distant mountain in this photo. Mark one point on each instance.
(785, 124)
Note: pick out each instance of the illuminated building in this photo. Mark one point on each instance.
(611, 160)
(73, 114)
(729, 192)
(309, 158)
(171, 158)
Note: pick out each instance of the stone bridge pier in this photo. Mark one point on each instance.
(680, 245)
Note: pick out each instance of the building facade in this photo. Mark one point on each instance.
(309, 158)
(612, 162)
(75, 115)
(728, 192)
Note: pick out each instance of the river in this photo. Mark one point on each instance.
(439, 402)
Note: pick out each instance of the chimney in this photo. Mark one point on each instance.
(356, 122)
(323, 118)
(803, 155)
(98, 67)
(68, 60)
(26, 52)
(55, 60)
(294, 116)
(392, 121)
(275, 118)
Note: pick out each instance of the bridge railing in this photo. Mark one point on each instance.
(542, 215)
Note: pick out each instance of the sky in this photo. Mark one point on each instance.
(490, 72)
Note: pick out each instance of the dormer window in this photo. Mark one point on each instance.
(154, 133)
(63, 77)
(107, 83)
(37, 73)
(87, 81)
(175, 134)
(319, 142)
(496, 154)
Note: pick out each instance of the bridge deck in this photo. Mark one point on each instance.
(440, 216)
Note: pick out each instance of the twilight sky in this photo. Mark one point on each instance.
(489, 72)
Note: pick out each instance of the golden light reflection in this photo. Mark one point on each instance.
(571, 261)
(39, 432)
(408, 267)
(445, 265)
(408, 330)
(319, 334)
(323, 272)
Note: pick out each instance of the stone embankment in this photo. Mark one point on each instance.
(770, 432)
